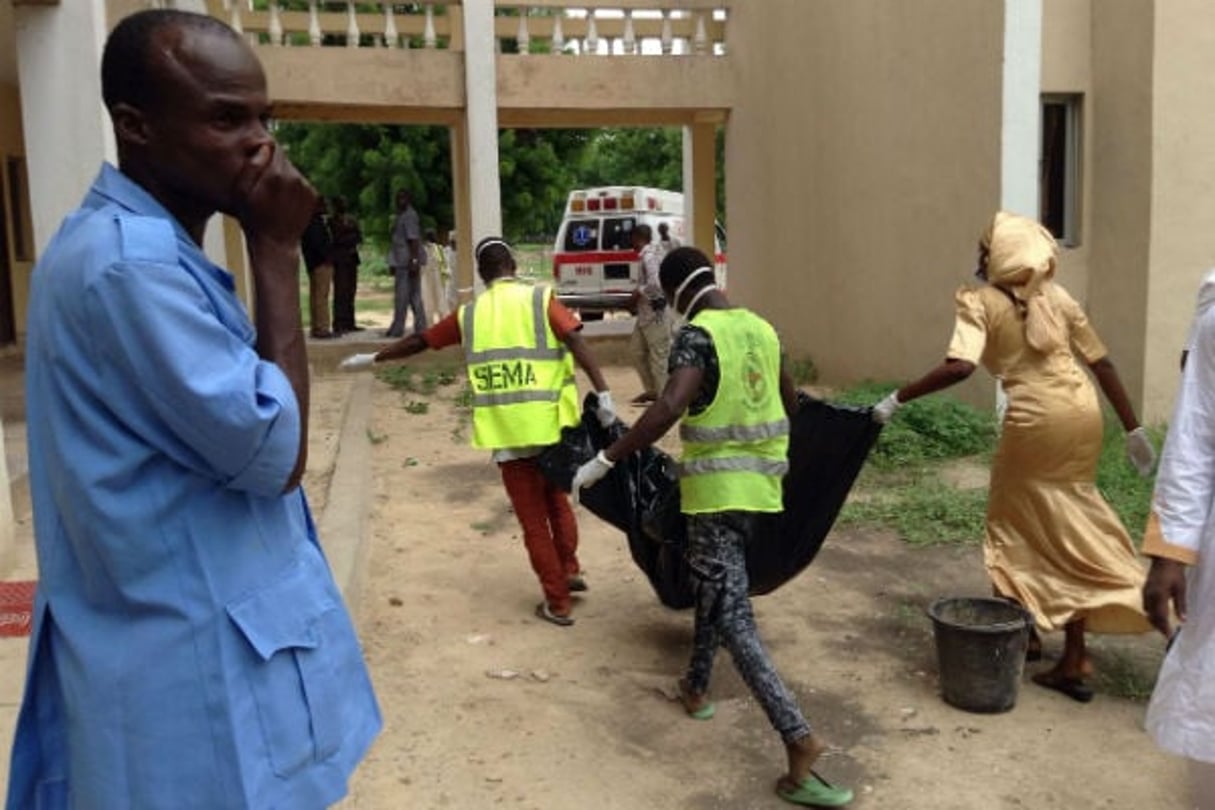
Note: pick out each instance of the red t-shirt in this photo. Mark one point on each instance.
(447, 331)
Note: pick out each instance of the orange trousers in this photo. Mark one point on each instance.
(550, 531)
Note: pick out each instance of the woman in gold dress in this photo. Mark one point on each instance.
(1052, 542)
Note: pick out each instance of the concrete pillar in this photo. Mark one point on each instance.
(224, 238)
(700, 183)
(466, 272)
(1019, 133)
(68, 131)
(481, 96)
(8, 530)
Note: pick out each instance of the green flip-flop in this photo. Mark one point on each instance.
(814, 791)
(705, 712)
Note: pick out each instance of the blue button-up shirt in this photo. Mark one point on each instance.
(190, 648)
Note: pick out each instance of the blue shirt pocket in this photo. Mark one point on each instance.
(296, 627)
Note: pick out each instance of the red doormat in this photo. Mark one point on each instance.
(16, 607)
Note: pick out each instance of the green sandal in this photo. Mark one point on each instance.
(814, 791)
(705, 712)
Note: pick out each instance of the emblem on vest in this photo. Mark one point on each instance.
(754, 382)
(503, 376)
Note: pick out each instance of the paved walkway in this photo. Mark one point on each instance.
(338, 482)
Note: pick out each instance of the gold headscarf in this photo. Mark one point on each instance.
(1021, 259)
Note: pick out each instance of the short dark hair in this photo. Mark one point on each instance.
(126, 76)
(644, 232)
(494, 258)
(681, 263)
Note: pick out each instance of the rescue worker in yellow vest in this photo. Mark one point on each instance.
(520, 344)
(726, 373)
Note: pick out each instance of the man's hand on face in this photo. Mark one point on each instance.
(276, 201)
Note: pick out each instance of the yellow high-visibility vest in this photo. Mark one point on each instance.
(735, 452)
(522, 376)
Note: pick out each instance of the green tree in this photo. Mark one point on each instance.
(367, 164)
(645, 157)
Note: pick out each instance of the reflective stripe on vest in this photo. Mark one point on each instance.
(735, 450)
(484, 400)
(734, 433)
(762, 466)
(522, 377)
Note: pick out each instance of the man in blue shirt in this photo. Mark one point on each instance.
(190, 648)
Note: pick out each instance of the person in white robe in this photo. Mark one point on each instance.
(1180, 539)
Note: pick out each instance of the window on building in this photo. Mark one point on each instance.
(18, 210)
(1059, 167)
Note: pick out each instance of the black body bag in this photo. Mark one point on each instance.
(828, 445)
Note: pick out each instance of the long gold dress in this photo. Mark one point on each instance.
(1052, 542)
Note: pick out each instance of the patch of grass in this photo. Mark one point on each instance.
(803, 371)
(416, 407)
(398, 375)
(925, 511)
(931, 428)
(376, 438)
(1120, 675)
(432, 378)
(464, 398)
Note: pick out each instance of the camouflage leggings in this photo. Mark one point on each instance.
(723, 617)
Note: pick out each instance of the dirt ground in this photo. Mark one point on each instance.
(485, 705)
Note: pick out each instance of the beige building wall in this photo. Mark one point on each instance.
(1182, 161)
(1120, 193)
(862, 162)
(1067, 70)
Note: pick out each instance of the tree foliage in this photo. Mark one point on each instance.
(367, 164)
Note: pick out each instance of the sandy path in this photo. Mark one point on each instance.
(585, 721)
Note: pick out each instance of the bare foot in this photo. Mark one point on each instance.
(802, 754)
(694, 703)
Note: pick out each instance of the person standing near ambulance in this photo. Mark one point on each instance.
(520, 344)
(650, 343)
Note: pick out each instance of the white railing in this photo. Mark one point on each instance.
(588, 27)
(342, 23)
(612, 27)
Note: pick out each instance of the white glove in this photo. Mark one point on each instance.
(1001, 403)
(606, 410)
(357, 361)
(1139, 451)
(590, 474)
(884, 410)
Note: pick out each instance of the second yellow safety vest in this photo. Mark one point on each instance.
(522, 376)
(735, 452)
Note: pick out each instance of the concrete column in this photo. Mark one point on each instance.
(466, 272)
(225, 238)
(700, 183)
(1020, 129)
(481, 96)
(68, 131)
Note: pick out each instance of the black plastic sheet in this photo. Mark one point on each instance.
(828, 445)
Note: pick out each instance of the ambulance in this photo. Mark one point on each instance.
(595, 268)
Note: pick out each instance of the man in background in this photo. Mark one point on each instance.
(650, 343)
(405, 258)
(347, 236)
(317, 246)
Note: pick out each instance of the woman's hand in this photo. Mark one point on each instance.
(1140, 452)
(883, 412)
